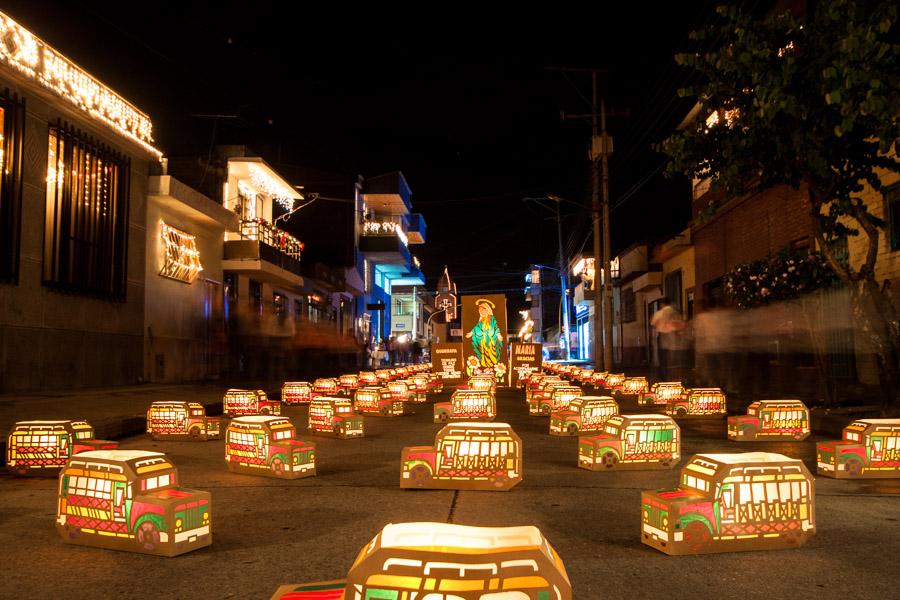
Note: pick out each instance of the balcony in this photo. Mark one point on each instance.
(265, 252)
(415, 228)
(647, 281)
(386, 248)
(388, 194)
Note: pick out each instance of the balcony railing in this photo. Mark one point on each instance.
(385, 228)
(268, 234)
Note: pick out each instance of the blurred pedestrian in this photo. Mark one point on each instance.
(668, 325)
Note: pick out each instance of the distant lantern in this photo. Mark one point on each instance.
(598, 378)
(334, 417)
(771, 420)
(698, 402)
(435, 383)
(268, 446)
(614, 381)
(129, 500)
(535, 382)
(485, 383)
(583, 376)
(368, 378)
(401, 561)
(419, 384)
(465, 456)
(584, 414)
(634, 386)
(41, 448)
(732, 502)
(348, 383)
(296, 392)
(636, 442)
(174, 420)
(466, 405)
(869, 449)
(384, 375)
(400, 390)
(376, 400)
(325, 386)
(541, 402)
(662, 392)
(238, 403)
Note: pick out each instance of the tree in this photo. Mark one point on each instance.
(810, 101)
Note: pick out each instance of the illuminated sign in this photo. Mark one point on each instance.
(182, 259)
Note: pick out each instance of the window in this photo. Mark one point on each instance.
(256, 296)
(628, 310)
(12, 125)
(672, 289)
(892, 210)
(86, 219)
(401, 309)
(279, 305)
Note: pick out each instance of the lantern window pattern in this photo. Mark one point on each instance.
(267, 446)
(400, 390)
(698, 402)
(237, 403)
(634, 386)
(466, 405)
(368, 378)
(636, 442)
(42, 448)
(870, 449)
(662, 392)
(348, 383)
(614, 381)
(334, 417)
(172, 420)
(296, 392)
(325, 386)
(771, 420)
(376, 400)
(583, 414)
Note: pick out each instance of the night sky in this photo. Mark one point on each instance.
(457, 97)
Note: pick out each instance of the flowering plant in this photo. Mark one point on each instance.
(783, 276)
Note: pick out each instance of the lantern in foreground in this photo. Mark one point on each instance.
(334, 417)
(614, 381)
(636, 442)
(348, 383)
(368, 378)
(466, 405)
(583, 414)
(128, 500)
(172, 420)
(325, 386)
(698, 402)
(239, 403)
(465, 456)
(296, 392)
(41, 448)
(870, 448)
(372, 400)
(662, 392)
(542, 399)
(411, 560)
(259, 445)
(771, 420)
(731, 502)
(634, 386)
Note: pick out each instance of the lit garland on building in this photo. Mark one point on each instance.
(31, 56)
(270, 186)
(182, 259)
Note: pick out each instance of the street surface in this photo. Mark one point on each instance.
(267, 532)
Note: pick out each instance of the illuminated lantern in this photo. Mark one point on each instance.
(41, 448)
(634, 386)
(402, 372)
(296, 392)
(583, 414)
(334, 417)
(636, 442)
(482, 383)
(373, 400)
(614, 381)
(466, 405)
(771, 420)
(435, 383)
(662, 392)
(418, 386)
(172, 420)
(465, 456)
(384, 375)
(368, 378)
(540, 403)
(583, 376)
(267, 446)
(325, 386)
(128, 500)
(534, 384)
(348, 383)
(598, 378)
(732, 502)
(870, 449)
(238, 403)
(400, 390)
(698, 402)
(411, 560)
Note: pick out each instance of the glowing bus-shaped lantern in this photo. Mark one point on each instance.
(732, 502)
(238, 403)
(348, 383)
(259, 445)
(400, 390)
(638, 442)
(870, 449)
(420, 386)
(583, 376)
(465, 456)
(634, 386)
(325, 386)
(551, 396)
(583, 414)
(485, 383)
(598, 378)
(296, 392)
(41, 448)
(384, 375)
(534, 384)
(435, 383)
(614, 381)
(376, 400)
(402, 372)
(368, 378)
(173, 420)
(662, 392)
(698, 402)
(128, 500)
(466, 405)
(411, 560)
(771, 420)
(334, 417)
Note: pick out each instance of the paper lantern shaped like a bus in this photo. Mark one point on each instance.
(240, 403)
(698, 402)
(267, 446)
(435, 383)
(412, 560)
(128, 500)
(42, 448)
(419, 385)
(583, 376)
(368, 378)
(325, 386)
(552, 397)
(480, 383)
(731, 502)
(296, 392)
(584, 414)
(400, 390)
(598, 378)
(402, 372)
(634, 442)
(771, 420)
(334, 417)
(465, 456)
(614, 381)
(384, 375)
(870, 448)
(466, 405)
(634, 386)
(535, 382)
(662, 392)
(372, 400)
(541, 395)
(348, 383)
(173, 420)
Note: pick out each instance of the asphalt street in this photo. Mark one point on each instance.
(267, 532)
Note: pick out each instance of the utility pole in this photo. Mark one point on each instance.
(564, 288)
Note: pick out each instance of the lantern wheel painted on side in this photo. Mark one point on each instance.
(697, 536)
(420, 475)
(681, 411)
(147, 536)
(749, 432)
(791, 537)
(264, 411)
(798, 436)
(610, 460)
(278, 466)
(194, 432)
(854, 468)
(336, 429)
(499, 481)
(385, 410)
(573, 429)
(444, 417)
(545, 409)
(72, 532)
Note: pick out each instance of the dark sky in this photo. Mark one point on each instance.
(455, 96)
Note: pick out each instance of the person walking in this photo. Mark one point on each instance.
(668, 325)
